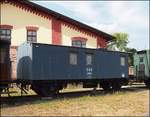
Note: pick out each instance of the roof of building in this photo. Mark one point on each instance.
(64, 18)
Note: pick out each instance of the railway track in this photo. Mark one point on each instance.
(32, 98)
(19, 99)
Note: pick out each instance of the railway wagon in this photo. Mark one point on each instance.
(49, 68)
(142, 66)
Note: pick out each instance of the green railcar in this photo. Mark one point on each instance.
(141, 61)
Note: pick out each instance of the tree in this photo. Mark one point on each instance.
(120, 42)
(130, 52)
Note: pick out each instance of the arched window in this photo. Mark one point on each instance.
(79, 42)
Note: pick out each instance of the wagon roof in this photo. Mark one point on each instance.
(57, 15)
(142, 51)
(72, 47)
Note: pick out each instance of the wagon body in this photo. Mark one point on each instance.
(37, 61)
(141, 64)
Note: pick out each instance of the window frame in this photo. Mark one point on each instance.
(31, 35)
(91, 59)
(122, 61)
(79, 43)
(141, 58)
(7, 36)
(73, 60)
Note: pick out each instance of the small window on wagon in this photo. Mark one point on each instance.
(122, 61)
(141, 59)
(73, 58)
(89, 59)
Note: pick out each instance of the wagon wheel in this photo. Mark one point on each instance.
(105, 85)
(116, 85)
(43, 90)
(47, 92)
(36, 89)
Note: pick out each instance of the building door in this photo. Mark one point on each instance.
(4, 63)
(5, 41)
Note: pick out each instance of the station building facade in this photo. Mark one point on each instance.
(22, 20)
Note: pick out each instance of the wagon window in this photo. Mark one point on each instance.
(141, 59)
(73, 58)
(32, 35)
(89, 59)
(122, 61)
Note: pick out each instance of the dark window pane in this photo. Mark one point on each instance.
(2, 36)
(141, 59)
(8, 32)
(83, 45)
(33, 39)
(5, 34)
(78, 43)
(73, 43)
(8, 37)
(29, 38)
(31, 35)
(0, 31)
(73, 58)
(3, 31)
(34, 33)
(89, 59)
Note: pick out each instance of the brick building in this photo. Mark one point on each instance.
(22, 20)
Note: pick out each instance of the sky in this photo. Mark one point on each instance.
(131, 17)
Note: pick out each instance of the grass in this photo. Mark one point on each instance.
(117, 104)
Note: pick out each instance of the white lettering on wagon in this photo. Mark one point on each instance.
(89, 72)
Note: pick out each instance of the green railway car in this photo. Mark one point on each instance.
(142, 66)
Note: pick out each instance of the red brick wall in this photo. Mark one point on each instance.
(56, 32)
(101, 42)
